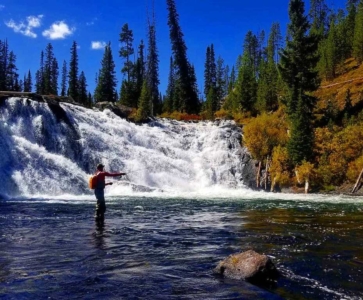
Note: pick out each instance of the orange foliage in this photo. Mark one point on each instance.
(355, 167)
(304, 171)
(338, 153)
(241, 117)
(279, 167)
(223, 114)
(181, 116)
(263, 133)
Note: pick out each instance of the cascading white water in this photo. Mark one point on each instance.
(41, 154)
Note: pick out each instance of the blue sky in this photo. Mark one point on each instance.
(30, 26)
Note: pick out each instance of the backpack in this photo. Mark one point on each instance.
(93, 182)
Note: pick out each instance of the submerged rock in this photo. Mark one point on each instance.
(249, 266)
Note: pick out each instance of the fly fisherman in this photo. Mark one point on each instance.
(100, 190)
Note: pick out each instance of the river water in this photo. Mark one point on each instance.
(163, 247)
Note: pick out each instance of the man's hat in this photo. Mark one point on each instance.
(100, 166)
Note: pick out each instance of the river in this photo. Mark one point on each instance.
(166, 247)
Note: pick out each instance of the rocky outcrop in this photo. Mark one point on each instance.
(120, 110)
(249, 266)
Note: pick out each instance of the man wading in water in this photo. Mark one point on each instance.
(100, 190)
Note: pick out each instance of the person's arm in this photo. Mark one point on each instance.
(114, 174)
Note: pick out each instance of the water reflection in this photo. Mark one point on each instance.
(98, 235)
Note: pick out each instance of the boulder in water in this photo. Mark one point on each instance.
(249, 266)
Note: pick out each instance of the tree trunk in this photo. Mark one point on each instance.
(266, 171)
(258, 176)
(273, 183)
(306, 186)
(357, 184)
(297, 177)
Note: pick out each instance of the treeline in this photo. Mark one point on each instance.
(294, 140)
(252, 85)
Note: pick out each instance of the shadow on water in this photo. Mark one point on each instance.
(98, 235)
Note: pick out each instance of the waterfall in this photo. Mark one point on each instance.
(53, 149)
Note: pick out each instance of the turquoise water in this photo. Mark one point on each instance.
(166, 248)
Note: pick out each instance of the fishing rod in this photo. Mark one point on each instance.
(126, 175)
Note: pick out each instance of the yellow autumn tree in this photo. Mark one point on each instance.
(262, 134)
(304, 173)
(354, 169)
(337, 151)
(279, 169)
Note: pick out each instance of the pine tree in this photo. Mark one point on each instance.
(19, 85)
(73, 73)
(232, 80)
(4, 56)
(213, 67)
(301, 142)
(194, 85)
(328, 50)
(64, 79)
(82, 92)
(139, 72)
(170, 91)
(211, 103)
(358, 34)
(126, 39)
(349, 28)
(54, 77)
(207, 75)
(39, 76)
(144, 110)
(221, 92)
(126, 94)
(152, 76)
(319, 13)
(246, 85)
(12, 75)
(106, 85)
(267, 98)
(275, 41)
(89, 100)
(185, 97)
(251, 54)
(28, 82)
(298, 70)
(48, 67)
(226, 80)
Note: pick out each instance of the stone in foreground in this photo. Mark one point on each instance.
(249, 266)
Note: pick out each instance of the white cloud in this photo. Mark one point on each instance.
(98, 45)
(26, 28)
(58, 30)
